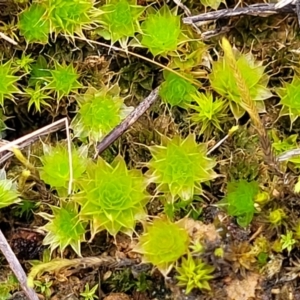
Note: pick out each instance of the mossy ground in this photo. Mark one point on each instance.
(276, 41)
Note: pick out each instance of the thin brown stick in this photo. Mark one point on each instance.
(28, 139)
(16, 268)
(131, 119)
(260, 9)
(34, 135)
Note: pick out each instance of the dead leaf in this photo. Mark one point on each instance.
(200, 231)
(243, 289)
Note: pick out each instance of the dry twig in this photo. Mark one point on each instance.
(28, 139)
(131, 119)
(16, 268)
(261, 10)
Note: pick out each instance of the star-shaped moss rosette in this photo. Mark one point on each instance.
(37, 98)
(161, 31)
(64, 227)
(163, 243)
(64, 80)
(194, 273)
(24, 63)
(8, 80)
(56, 167)
(209, 113)
(223, 81)
(113, 197)
(70, 17)
(176, 90)
(34, 24)
(120, 20)
(240, 200)
(99, 112)
(8, 191)
(289, 99)
(179, 166)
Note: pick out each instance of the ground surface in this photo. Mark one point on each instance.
(239, 274)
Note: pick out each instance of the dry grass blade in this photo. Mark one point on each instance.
(8, 39)
(288, 154)
(58, 265)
